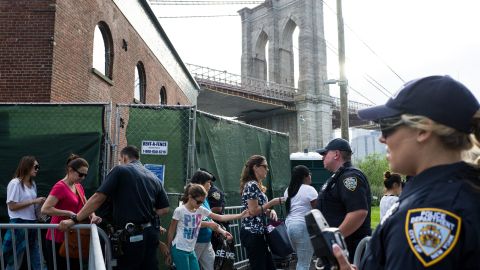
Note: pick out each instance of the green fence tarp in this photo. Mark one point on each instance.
(165, 124)
(50, 133)
(223, 147)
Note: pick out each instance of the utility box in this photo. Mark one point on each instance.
(314, 162)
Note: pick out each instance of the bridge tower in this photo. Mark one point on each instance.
(273, 23)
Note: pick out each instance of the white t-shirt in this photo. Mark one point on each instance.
(188, 226)
(18, 193)
(385, 203)
(300, 203)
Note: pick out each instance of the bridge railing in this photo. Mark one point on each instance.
(353, 106)
(226, 80)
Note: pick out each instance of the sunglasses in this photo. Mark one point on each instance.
(263, 165)
(199, 202)
(388, 126)
(80, 174)
(36, 167)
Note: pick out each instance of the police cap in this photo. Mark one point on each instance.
(335, 144)
(440, 98)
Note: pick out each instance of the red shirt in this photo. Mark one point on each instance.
(67, 200)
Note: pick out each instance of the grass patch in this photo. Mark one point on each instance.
(375, 217)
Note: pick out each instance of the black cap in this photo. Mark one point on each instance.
(335, 144)
(440, 98)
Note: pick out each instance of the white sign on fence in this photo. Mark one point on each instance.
(155, 148)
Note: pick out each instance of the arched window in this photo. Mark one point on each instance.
(103, 50)
(260, 62)
(163, 96)
(139, 91)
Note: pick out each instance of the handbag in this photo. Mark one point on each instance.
(224, 252)
(277, 238)
(73, 245)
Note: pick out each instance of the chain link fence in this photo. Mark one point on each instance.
(51, 132)
(165, 135)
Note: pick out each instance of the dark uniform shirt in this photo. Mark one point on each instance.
(135, 193)
(346, 191)
(216, 198)
(435, 224)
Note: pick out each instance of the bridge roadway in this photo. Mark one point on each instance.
(245, 98)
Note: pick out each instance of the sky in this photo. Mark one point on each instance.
(406, 39)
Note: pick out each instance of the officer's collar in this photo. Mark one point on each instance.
(135, 162)
(347, 164)
(431, 176)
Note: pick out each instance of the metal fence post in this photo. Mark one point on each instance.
(191, 142)
(117, 135)
(107, 140)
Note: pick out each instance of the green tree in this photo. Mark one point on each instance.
(374, 166)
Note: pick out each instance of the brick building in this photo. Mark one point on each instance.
(89, 51)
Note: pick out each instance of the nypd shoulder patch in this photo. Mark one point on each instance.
(432, 233)
(350, 183)
(216, 195)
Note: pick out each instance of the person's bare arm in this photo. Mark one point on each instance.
(255, 209)
(162, 211)
(209, 224)
(313, 204)
(48, 208)
(216, 210)
(225, 218)
(15, 206)
(91, 205)
(171, 232)
(353, 221)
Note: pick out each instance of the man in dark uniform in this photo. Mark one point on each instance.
(216, 197)
(345, 198)
(138, 199)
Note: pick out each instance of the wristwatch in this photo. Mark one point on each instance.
(74, 218)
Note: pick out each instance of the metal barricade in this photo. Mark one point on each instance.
(98, 258)
(241, 260)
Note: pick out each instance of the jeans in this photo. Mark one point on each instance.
(184, 260)
(258, 254)
(300, 239)
(34, 250)
(34, 257)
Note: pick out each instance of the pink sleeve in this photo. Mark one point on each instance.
(58, 191)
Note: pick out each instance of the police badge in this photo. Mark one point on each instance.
(431, 233)
(350, 183)
(216, 195)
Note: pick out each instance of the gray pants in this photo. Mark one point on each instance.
(205, 255)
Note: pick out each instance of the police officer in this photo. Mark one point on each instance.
(435, 223)
(216, 197)
(345, 198)
(138, 199)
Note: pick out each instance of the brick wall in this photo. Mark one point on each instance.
(73, 79)
(40, 64)
(26, 31)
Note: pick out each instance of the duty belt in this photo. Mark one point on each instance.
(136, 228)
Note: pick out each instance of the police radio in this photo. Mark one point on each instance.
(323, 237)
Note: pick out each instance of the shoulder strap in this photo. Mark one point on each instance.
(82, 198)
